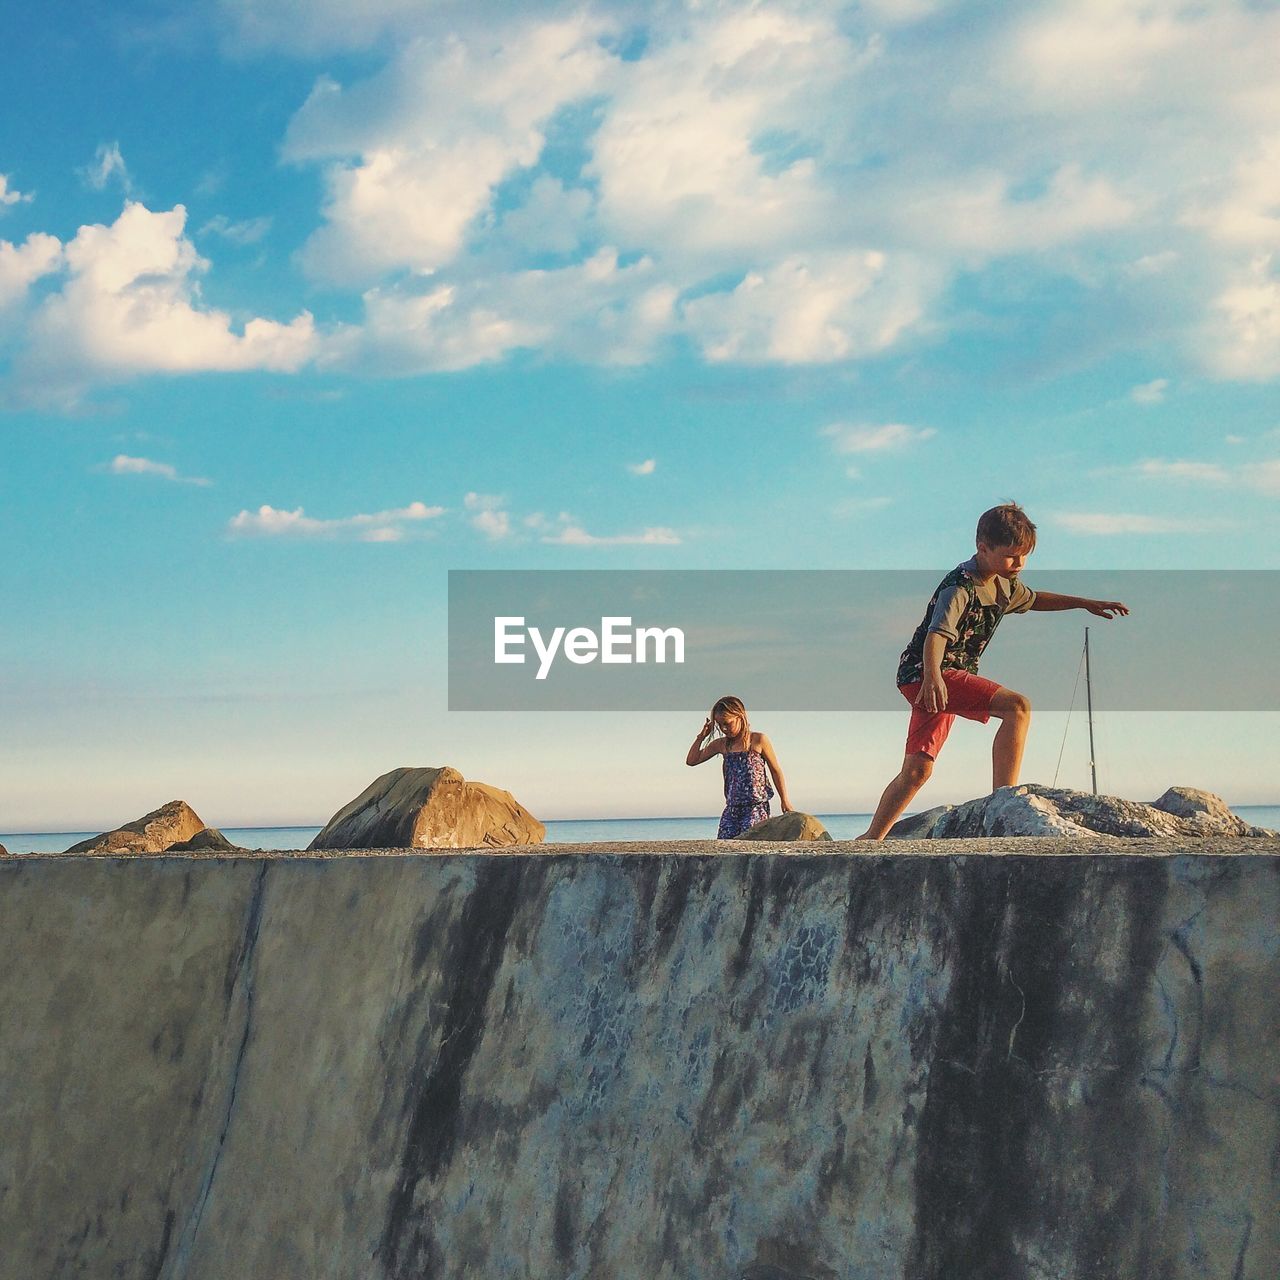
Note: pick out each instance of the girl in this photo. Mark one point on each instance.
(746, 789)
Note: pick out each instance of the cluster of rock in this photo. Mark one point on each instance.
(1034, 810)
(173, 828)
(429, 809)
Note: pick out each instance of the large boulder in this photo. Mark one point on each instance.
(1033, 810)
(787, 826)
(210, 840)
(153, 833)
(4, 853)
(429, 809)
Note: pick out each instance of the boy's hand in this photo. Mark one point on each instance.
(933, 694)
(1106, 608)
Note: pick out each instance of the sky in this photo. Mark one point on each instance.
(304, 304)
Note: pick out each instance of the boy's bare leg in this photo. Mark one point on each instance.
(1014, 712)
(915, 772)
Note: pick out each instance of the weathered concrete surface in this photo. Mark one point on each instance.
(845, 1064)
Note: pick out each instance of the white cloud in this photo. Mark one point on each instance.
(131, 305)
(243, 232)
(574, 535)
(9, 195)
(709, 143)
(124, 465)
(1263, 476)
(645, 468)
(1200, 472)
(811, 310)
(1242, 338)
(488, 515)
(1152, 392)
(1109, 523)
(414, 154)
(108, 166)
(890, 437)
(381, 526)
(21, 265)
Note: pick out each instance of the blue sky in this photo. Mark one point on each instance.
(301, 308)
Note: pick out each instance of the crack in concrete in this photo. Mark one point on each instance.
(243, 968)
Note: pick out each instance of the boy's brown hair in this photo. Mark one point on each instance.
(1007, 526)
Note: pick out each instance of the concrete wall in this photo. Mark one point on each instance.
(550, 1065)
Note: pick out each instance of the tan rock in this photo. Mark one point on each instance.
(429, 809)
(152, 833)
(210, 840)
(787, 826)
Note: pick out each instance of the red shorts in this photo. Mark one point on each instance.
(967, 695)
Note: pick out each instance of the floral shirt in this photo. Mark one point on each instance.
(966, 611)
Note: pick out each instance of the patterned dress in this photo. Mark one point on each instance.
(746, 793)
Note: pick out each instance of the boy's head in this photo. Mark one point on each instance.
(1006, 526)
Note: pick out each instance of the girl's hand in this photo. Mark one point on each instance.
(1106, 608)
(787, 806)
(705, 731)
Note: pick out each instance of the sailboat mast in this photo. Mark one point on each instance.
(1088, 693)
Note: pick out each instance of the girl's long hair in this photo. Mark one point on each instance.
(734, 707)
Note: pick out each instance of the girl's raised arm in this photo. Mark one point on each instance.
(699, 753)
(779, 782)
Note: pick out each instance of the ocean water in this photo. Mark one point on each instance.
(842, 826)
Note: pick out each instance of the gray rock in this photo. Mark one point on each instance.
(1033, 810)
(210, 840)
(787, 826)
(152, 833)
(429, 809)
(918, 826)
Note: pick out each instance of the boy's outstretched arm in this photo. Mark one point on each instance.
(1050, 602)
(779, 782)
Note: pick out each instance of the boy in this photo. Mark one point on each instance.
(938, 671)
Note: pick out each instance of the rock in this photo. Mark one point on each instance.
(153, 833)
(210, 840)
(918, 826)
(1034, 810)
(788, 826)
(429, 809)
(1205, 813)
(4, 853)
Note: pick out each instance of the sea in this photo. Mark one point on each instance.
(842, 826)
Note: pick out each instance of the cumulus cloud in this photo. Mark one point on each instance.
(131, 304)
(645, 468)
(488, 515)
(23, 264)
(811, 310)
(890, 437)
(124, 465)
(414, 154)
(9, 195)
(380, 526)
(1242, 337)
